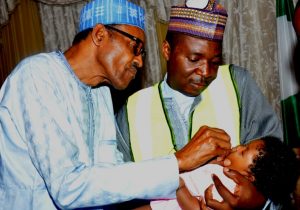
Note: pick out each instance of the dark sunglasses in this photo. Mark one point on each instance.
(138, 49)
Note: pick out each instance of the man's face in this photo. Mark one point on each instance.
(123, 59)
(192, 63)
(242, 156)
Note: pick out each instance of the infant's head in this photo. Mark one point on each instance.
(271, 165)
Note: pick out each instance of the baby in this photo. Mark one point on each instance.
(267, 162)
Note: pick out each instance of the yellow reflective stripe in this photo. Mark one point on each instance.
(149, 131)
(142, 124)
(233, 106)
(162, 139)
(225, 114)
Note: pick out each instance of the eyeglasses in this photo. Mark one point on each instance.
(138, 49)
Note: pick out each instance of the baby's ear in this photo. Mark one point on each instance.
(250, 177)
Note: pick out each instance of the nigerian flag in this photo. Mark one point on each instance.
(290, 96)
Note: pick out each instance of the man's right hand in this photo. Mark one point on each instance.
(206, 144)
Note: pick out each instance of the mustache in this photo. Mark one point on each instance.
(134, 66)
(202, 80)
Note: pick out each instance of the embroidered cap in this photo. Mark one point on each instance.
(208, 22)
(111, 12)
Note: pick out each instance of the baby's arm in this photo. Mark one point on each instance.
(146, 207)
(185, 199)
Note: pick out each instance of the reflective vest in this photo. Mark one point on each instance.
(149, 130)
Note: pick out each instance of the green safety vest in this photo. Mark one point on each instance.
(150, 134)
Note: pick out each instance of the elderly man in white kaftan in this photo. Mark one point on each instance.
(57, 129)
(58, 137)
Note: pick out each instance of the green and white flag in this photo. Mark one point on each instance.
(290, 96)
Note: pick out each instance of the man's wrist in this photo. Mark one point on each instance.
(179, 162)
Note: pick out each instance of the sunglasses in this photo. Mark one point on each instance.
(138, 48)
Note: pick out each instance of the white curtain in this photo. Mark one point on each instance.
(7, 6)
(251, 41)
(156, 10)
(57, 2)
(59, 22)
(162, 7)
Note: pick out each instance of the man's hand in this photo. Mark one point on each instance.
(214, 204)
(206, 144)
(245, 197)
